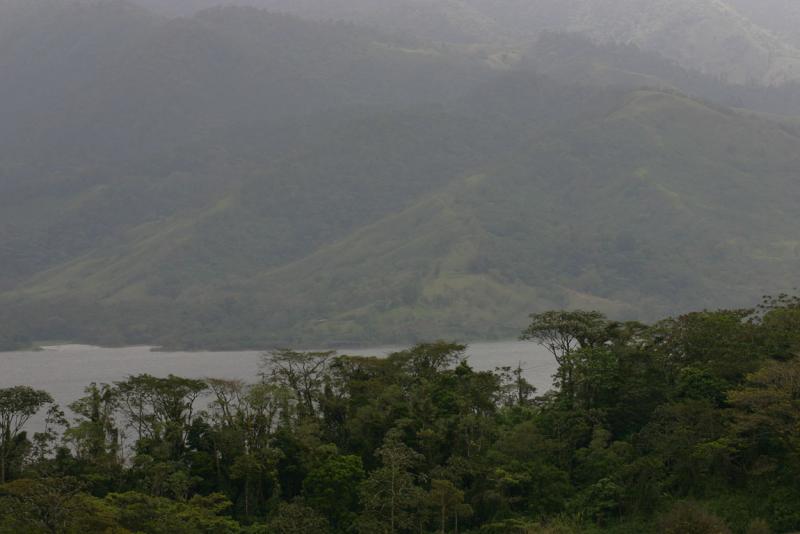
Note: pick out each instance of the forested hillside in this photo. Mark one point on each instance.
(687, 425)
(244, 178)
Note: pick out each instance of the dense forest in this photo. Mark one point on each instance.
(687, 425)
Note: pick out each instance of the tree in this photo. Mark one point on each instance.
(160, 410)
(600, 501)
(767, 416)
(390, 495)
(723, 342)
(690, 518)
(17, 405)
(331, 488)
(690, 425)
(303, 373)
(447, 499)
(778, 319)
(51, 505)
(157, 515)
(565, 332)
(294, 518)
(45, 443)
(95, 436)
(425, 360)
(516, 389)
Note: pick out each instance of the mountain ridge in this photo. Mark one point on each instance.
(326, 183)
(730, 39)
(457, 260)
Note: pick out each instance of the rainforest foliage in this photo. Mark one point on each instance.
(691, 424)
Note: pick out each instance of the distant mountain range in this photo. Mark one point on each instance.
(244, 178)
(740, 41)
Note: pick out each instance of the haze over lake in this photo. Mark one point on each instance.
(65, 370)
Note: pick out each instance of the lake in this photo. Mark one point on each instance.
(65, 370)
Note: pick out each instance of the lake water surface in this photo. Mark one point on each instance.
(64, 371)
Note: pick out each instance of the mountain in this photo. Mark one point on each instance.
(710, 36)
(572, 58)
(122, 82)
(101, 104)
(614, 214)
(782, 17)
(740, 41)
(245, 178)
(660, 204)
(437, 20)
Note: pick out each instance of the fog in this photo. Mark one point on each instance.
(196, 175)
(593, 196)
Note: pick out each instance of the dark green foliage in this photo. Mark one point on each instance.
(200, 514)
(689, 518)
(292, 518)
(17, 405)
(331, 488)
(688, 425)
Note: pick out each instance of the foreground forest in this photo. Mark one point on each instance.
(688, 425)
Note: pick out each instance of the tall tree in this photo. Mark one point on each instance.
(331, 488)
(95, 435)
(303, 373)
(563, 332)
(447, 499)
(160, 410)
(390, 495)
(17, 405)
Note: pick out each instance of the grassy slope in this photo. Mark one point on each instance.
(148, 122)
(664, 205)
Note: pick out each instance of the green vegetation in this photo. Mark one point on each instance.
(242, 179)
(686, 425)
(648, 209)
(428, 169)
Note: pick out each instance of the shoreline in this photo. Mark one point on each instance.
(55, 346)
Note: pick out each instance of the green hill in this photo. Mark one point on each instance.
(660, 205)
(241, 178)
(623, 214)
(112, 81)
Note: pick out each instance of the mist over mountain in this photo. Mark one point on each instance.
(573, 58)
(706, 35)
(739, 41)
(782, 17)
(220, 221)
(347, 172)
(123, 81)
